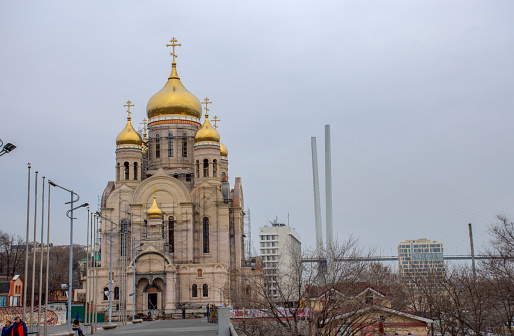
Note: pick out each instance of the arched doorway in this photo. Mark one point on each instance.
(152, 297)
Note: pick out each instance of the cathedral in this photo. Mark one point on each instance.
(171, 217)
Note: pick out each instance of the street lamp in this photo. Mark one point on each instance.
(110, 263)
(69, 214)
(9, 147)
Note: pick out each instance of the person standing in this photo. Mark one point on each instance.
(6, 328)
(19, 328)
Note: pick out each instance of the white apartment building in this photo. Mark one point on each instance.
(278, 245)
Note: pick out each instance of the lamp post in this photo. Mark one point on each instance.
(69, 214)
(9, 147)
(110, 263)
(134, 247)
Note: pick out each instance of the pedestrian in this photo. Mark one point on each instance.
(6, 328)
(207, 311)
(76, 327)
(19, 328)
(149, 315)
(77, 317)
(183, 312)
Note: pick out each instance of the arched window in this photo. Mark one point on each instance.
(205, 290)
(197, 169)
(135, 170)
(116, 293)
(199, 273)
(194, 290)
(223, 174)
(170, 144)
(205, 168)
(171, 234)
(106, 293)
(248, 290)
(157, 146)
(205, 235)
(126, 170)
(184, 145)
(214, 168)
(124, 237)
(118, 171)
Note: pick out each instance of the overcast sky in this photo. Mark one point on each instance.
(419, 96)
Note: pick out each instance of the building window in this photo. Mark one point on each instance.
(205, 168)
(124, 237)
(106, 293)
(223, 174)
(188, 177)
(194, 291)
(157, 146)
(197, 169)
(199, 273)
(171, 234)
(170, 144)
(214, 168)
(118, 171)
(205, 235)
(126, 170)
(205, 290)
(116, 293)
(184, 145)
(135, 170)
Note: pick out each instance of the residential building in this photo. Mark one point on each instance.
(280, 247)
(420, 260)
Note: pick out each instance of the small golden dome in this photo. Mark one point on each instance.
(154, 211)
(207, 132)
(223, 150)
(129, 136)
(173, 99)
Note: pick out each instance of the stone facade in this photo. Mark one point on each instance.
(190, 251)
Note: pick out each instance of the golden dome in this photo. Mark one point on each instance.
(207, 132)
(223, 150)
(129, 137)
(154, 211)
(173, 99)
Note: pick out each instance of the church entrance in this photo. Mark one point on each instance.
(152, 301)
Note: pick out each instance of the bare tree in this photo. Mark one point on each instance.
(12, 254)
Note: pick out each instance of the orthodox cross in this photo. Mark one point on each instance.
(216, 119)
(129, 104)
(173, 45)
(206, 101)
(144, 122)
(153, 191)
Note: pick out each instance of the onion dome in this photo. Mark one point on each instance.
(207, 133)
(129, 138)
(223, 150)
(154, 211)
(174, 99)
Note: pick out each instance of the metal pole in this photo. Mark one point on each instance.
(472, 251)
(317, 208)
(95, 272)
(110, 276)
(47, 261)
(87, 273)
(70, 275)
(328, 186)
(33, 261)
(41, 256)
(24, 313)
(134, 278)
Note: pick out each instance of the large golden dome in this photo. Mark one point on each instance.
(129, 137)
(173, 99)
(223, 150)
(207, 132)
(154, 211)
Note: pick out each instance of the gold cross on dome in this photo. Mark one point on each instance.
(129, 104)
(144, 122)
(154, 191)
(173, 45)
(215, 120)
(206, 101)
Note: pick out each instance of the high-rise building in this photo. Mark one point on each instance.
(170, 217)
(279, 245)
(419, 260)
